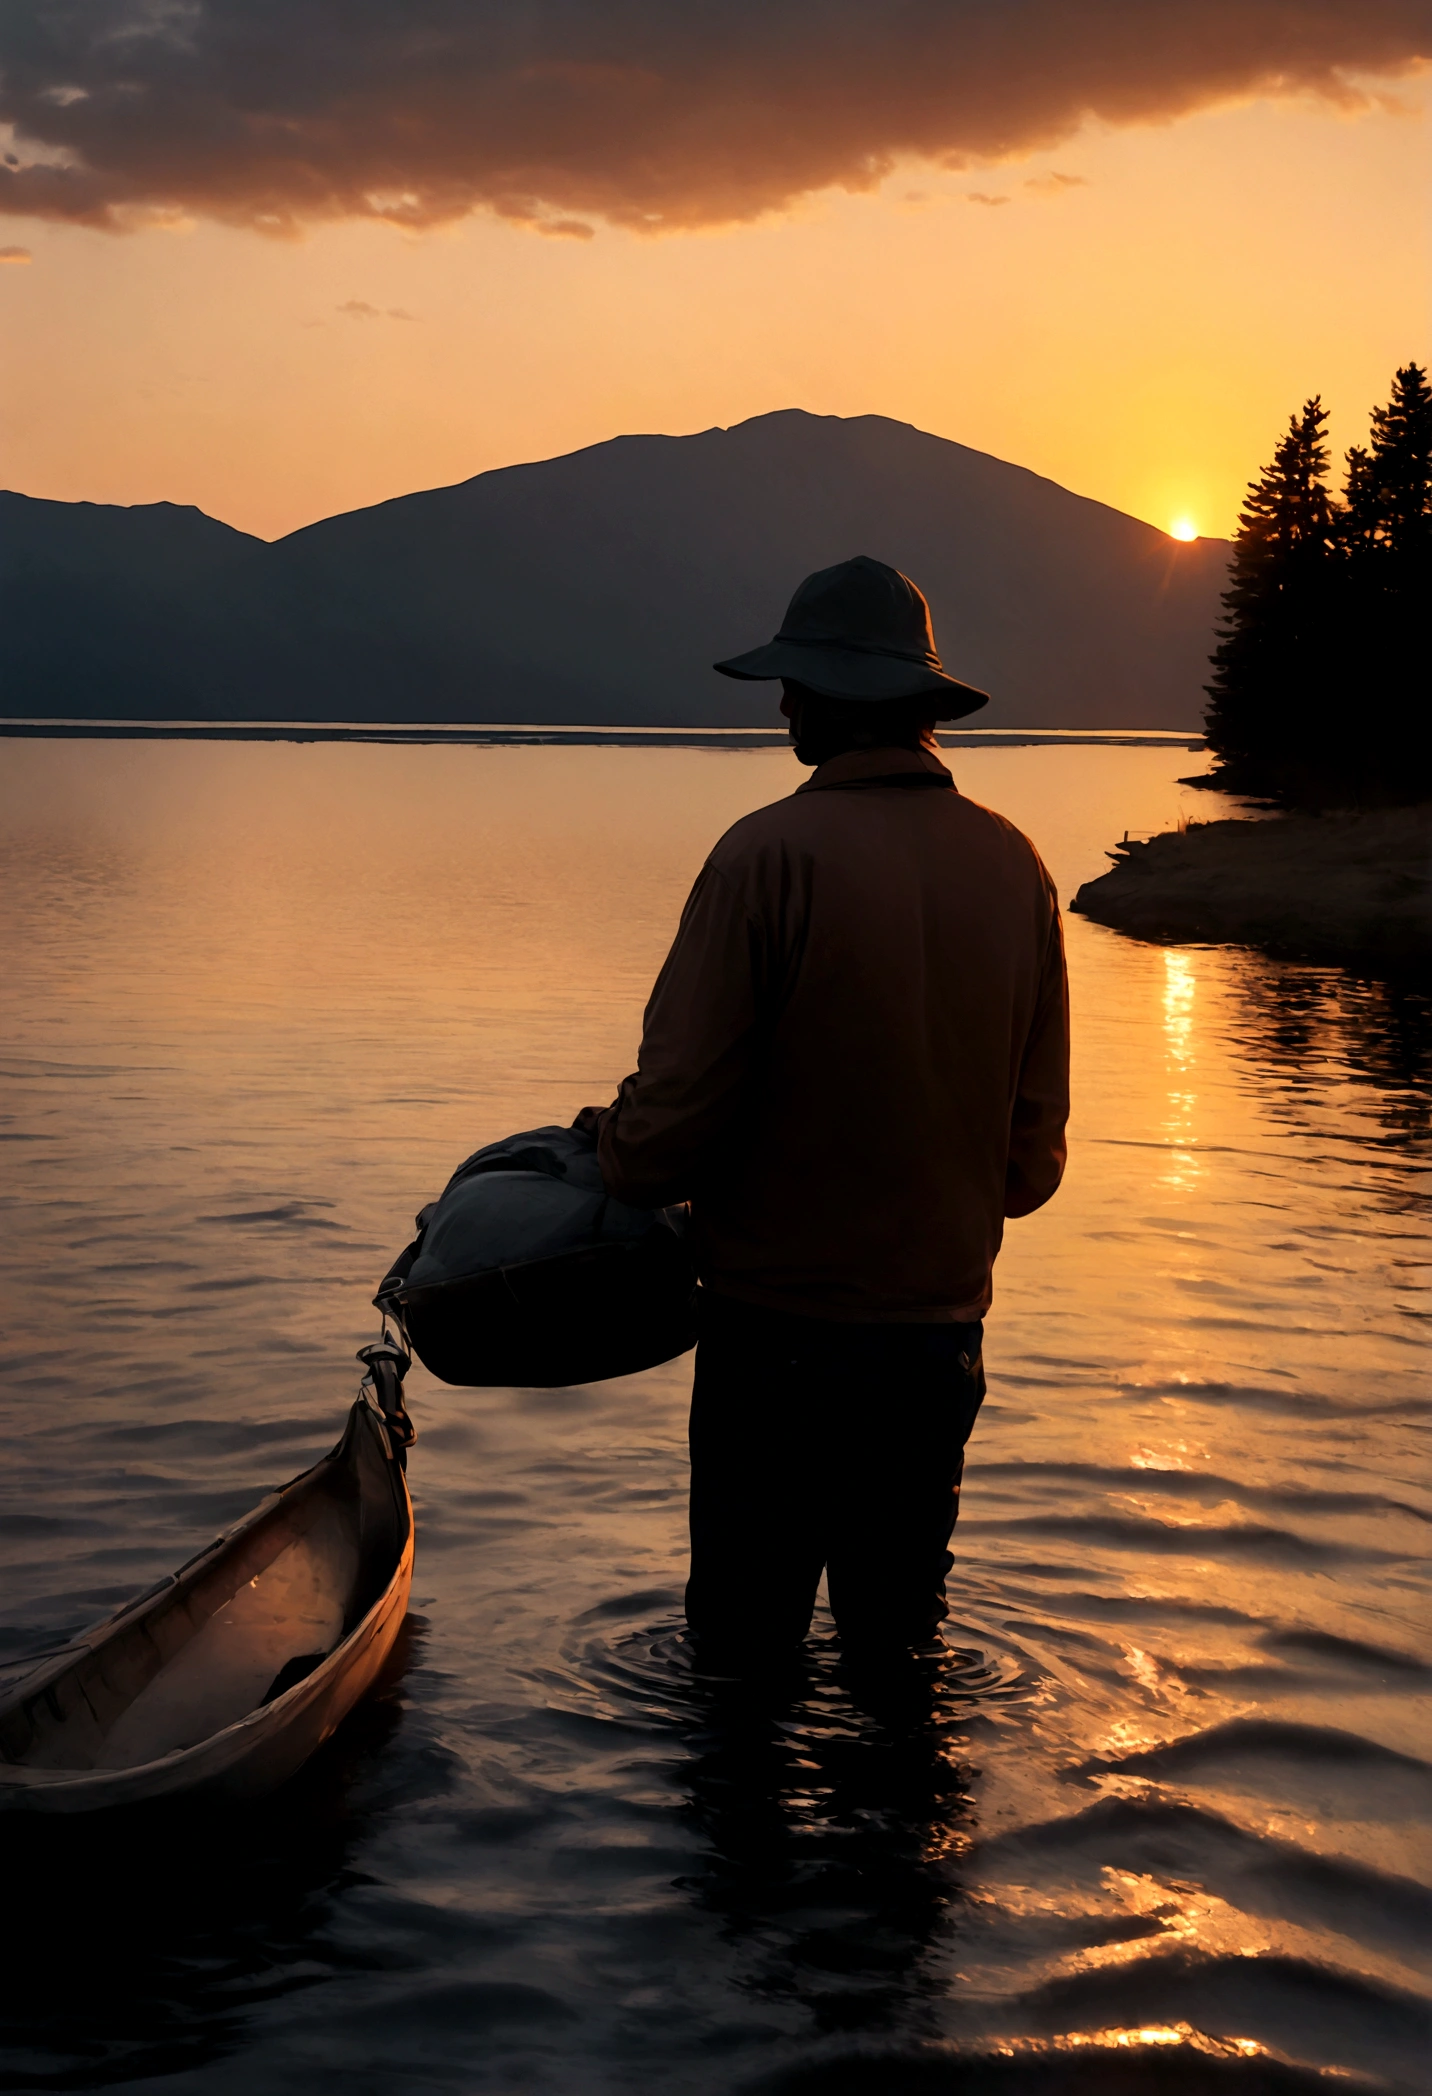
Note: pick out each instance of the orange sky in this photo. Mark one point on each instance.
(1138, 330)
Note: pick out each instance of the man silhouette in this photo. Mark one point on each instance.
(854, 1065)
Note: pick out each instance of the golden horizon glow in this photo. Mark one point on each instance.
(1183, 528)
(274, 382)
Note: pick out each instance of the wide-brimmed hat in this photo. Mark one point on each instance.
(860, 631)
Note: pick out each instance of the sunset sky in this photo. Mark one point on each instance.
(286, 260)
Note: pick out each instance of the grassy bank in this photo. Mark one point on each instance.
(1345, 884)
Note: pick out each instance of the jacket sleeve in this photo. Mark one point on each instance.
(697, 1047)
(1037, 1148)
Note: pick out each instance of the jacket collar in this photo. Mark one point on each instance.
(871, 764)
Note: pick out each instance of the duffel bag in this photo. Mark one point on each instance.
(526, 1271)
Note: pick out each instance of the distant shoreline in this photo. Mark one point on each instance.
(503, 734)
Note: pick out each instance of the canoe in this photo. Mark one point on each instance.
(221, 1680)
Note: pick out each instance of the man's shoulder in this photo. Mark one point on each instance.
(799, 826)
(755, 834)
(805, 818)
(997, 829)
(1004, 845)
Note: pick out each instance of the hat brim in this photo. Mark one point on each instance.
(850, 673)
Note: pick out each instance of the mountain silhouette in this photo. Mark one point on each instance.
(598, 588)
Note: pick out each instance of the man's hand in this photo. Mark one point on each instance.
(589, 1120)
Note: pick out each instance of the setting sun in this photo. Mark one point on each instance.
(1183, 528)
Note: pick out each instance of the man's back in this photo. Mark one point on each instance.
(854, 1061)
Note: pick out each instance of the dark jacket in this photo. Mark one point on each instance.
(855, 1059)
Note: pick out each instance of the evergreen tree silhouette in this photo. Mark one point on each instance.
(1273, 676)
(1385, 534)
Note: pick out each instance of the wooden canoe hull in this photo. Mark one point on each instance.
(56, 1703)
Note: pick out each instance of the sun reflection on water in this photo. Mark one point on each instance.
(1122, 2038)
(1183, 1169)
(1173, 1455)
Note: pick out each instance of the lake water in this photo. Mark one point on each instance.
(1158, 1819)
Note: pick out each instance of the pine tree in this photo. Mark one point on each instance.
(1402, 467)
(1385, 534)
(1270, 687)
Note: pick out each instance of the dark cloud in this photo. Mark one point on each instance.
(648, 113)
(15, 254)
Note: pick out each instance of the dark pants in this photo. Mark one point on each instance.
(816, 1446)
